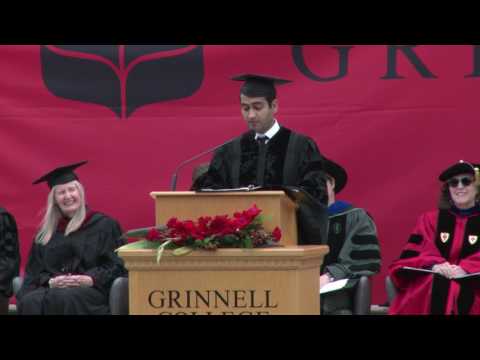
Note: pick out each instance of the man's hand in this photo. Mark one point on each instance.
(324, 280)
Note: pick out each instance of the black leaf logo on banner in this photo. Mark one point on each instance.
(122, 77)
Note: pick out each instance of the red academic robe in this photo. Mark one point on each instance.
(439, 236)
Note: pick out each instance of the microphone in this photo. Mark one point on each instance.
(173, 184)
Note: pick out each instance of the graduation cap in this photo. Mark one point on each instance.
(60, 175)
(338, 173)
(462, 167)
(332, 169)
(256, 85)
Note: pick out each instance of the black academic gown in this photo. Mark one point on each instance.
(289, 161)
(9, 253)
(87, 251)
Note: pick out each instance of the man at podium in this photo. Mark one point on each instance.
(269, 154)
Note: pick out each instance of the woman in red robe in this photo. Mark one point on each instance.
(447, 243)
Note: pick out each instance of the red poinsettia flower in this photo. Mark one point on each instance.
(189, 227)
(245, 218)
(179, 230)
(253, 212)
(204, 220)
(203, 228)
(221, 225)
(153, 235)
(277, 234)
(172, 223)
(241, 222)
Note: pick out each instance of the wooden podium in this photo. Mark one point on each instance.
(277, 281)
(271, 281)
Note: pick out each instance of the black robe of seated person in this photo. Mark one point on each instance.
(87, 251)
(9, 252)
(289, 160)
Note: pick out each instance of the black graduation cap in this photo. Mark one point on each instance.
(332, 169)
(259, 85)
(462, 167)
(60, 175)
(338, 173)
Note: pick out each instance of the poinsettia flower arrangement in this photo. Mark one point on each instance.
(243, 230)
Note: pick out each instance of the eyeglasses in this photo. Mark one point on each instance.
(456, 181)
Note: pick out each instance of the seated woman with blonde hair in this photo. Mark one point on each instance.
(72, 262)
(443, 250)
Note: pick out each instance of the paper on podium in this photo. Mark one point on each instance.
(240, 189)
(296, 194)
(333, 286)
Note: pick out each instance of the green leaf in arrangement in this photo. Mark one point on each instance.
(142, 232)
(139, 245)
(183, 251)
(137, 233)
(247, 242)
(229, 240)
(160, 250)
(170, 245)
(208, 240)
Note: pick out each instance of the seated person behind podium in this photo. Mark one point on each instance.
(9, 258)
(72, 263)
(354, 249)
(445, 241)
(271, 155)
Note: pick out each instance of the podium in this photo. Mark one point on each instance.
(269, 281)
(276, 281)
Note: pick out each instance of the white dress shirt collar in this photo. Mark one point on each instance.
(270, 133)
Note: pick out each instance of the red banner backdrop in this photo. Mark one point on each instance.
(394, 116)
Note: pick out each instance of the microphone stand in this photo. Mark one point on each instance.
(173, 183)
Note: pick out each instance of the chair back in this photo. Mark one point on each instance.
(118, 300)
(362, 297)
(17, 283)
(391, 290)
